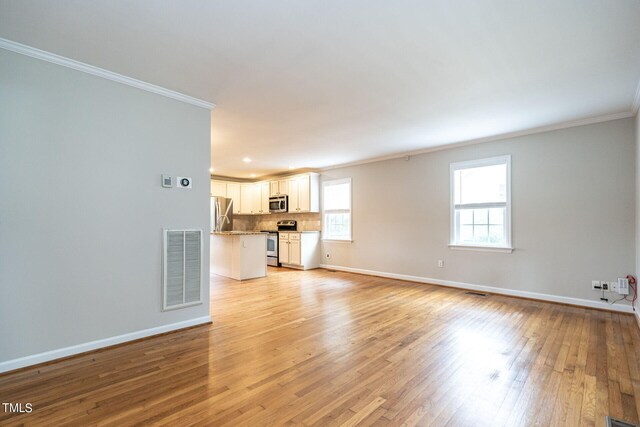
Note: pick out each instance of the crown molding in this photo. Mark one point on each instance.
(532, 131)
(636, 100)
(105, 74)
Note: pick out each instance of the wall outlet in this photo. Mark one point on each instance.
(328, 256)
(440, 263)
(605, 286)
(595, 284)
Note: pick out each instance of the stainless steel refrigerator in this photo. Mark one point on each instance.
(221, 214)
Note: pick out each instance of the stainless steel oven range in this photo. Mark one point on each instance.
(272, 240)
(272, 248)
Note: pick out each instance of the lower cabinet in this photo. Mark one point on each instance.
(299, 250)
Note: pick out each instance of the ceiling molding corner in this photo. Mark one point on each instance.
(96, 71)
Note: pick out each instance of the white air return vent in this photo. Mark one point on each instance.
(182, 269)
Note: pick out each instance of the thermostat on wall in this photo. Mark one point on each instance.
(183, 182)
(167, 181)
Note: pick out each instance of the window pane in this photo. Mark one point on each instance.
(337, 196)
(480, 234)
(496, 234)
(466, 233)
(466, 216)
(496, 216)
(476, 230)
(337, 226)
(481, 216)
(486, 184)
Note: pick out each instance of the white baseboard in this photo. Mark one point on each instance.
(490, 289)
(47, 356)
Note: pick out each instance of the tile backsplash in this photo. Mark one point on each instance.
(306, 221)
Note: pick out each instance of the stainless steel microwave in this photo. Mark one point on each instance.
(278, 204)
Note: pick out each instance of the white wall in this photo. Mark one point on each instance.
(81, 206)
(573, 204)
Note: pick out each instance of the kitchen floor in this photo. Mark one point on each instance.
(328, 348)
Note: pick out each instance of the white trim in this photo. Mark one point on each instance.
(636, 100)
(489, 161)
(498, 137)
(481, 248)
(490, 289)
(106, 74)
(47, 356)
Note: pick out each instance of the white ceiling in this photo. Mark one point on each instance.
(314, 83)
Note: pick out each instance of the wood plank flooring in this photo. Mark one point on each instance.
(329, 348)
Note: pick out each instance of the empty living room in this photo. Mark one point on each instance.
(320, 213)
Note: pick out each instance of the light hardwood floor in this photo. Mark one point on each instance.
(329, 348)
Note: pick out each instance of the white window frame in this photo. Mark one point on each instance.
(491, 161)
(337, 182)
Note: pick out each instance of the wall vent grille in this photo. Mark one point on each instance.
(182, 269)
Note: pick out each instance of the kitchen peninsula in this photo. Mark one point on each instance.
(239, 255)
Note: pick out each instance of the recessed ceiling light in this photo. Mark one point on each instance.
(291, 167)
(212, 170)
(246, 160)
(253, 175)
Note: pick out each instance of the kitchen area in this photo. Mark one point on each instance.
(272, 223)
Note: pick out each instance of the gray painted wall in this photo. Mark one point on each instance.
(573, 208)
(81, 206)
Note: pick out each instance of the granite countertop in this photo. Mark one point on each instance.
(235, 233)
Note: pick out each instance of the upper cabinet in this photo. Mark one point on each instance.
(304, 193)
(253, 198)
(227, 189)
(279, 188)
(233, 192)
(247, 198)
(261, 198)
(218, 189)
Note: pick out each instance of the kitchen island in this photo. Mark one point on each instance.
(239, 255)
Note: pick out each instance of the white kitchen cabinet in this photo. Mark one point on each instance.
(274, 188)
(264, 197)
(247, 195)
(218, 188)
(283, 248)
(230, 190)
(279, 187)
(261, 198)
(304, 193)
(233, 192)
(293, 195)
(295, 250)
(253, 198)
(299, 250)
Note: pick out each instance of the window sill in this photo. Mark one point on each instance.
(503, 249)
(337, 240)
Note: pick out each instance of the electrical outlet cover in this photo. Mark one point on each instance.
(595, 284)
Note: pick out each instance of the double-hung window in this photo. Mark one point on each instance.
(336, 209)
(481, 203)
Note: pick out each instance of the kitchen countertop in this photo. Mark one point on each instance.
(236, 233)
(293, 231)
